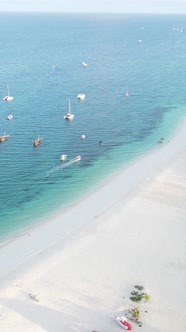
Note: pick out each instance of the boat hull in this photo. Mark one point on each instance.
(123, 323)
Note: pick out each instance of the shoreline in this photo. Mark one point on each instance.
(177, 137)
(129, 231)
(41, 217)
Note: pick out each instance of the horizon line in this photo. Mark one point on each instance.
(81, 13)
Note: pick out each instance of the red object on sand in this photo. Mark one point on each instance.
(123, 322)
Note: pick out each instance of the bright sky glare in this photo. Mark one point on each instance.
(95, 6)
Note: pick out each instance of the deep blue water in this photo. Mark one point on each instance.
(41, 61)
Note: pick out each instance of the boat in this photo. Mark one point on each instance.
(126, 93)
(8, 97)
(37, 141)
(139, 40)
(84, 64)
(9, 117)
(4, 137)
(63, 157)
(83, 136)
(81, 96)
(77, 158)
(69, 115)
(122, 321)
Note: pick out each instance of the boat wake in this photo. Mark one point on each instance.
(58, 168)
(39, 180)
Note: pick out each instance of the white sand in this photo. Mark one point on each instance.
(83, 264)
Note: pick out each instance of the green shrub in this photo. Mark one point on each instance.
(146, 297)
(135, 312)
(139, 287)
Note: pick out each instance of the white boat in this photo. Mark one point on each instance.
(122, 321)
(83, 136)
(126, 93)
(81, 96)
(77, 158)
(139, 40)
(8, 97)
(63, 157)
(84, 64)
(69, 115)
(9, 117)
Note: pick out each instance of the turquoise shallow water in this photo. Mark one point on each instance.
(32, 183)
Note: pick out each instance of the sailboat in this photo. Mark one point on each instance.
(69, 115)
(8, 97)
(126, 93)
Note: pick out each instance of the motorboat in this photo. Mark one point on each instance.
(37, 141)
(63, 157)
(69, 115)
(84, 64)
(83, 136)
(77, 158)
(140, 41)
(122, 321)
(4, 137)
(81, 96)
(8, 97)
(10, 117)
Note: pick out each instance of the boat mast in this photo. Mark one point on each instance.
(8, 92)
(69, 106)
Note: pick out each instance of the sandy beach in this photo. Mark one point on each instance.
(75, 272)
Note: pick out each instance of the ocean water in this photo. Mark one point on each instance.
(41, 61)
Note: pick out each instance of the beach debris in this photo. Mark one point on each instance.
(33, 297)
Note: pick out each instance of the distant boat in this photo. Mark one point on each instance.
(10, 117)
(83, 136)
(84, 64)
(63, 157)
(139, 40)
(126, 94)
(8, 97)
(77, 158)
(69, 115)
(81, 96)
(122, 321)
(37, 141)
(4, 137)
